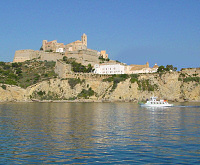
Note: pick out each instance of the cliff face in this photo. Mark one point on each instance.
(12, 93)
(174, 86)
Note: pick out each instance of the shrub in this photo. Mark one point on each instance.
(65, 58)
(182, 75)
(86, 93)
(188, 79)
(49, 50)
(72, 98)
(145, 85)
(2, 63)
(116, 79)
(180, 79)
(10, 82)
(134, 78)
(50, 64)
(19, 71)
(4, 87)
(74, 81)
(6, 67)
(16, 65)
(41, 93)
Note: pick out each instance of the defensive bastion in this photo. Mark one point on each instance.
(53, 51)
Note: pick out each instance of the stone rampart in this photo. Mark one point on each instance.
(84, 56)
(62, 69)
(50, 56)
(23, 55)
(191, 71)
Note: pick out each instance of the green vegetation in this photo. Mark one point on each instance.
(145, 85)
(49, 50)
(72, 98)
(116, 79)
(103, 59)
(74, 81)
(42, 95)
(134, 78)
(4, 87)
(188, 78)
(26, 73)
(167, 68)
(86, 93)
(78, 67)
(142, 84)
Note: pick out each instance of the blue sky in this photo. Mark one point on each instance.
(131, 31)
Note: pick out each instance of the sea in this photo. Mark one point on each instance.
(99, 133)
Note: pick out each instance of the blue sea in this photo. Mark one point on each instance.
(99, 133)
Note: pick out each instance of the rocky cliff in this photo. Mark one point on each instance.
(174, 86)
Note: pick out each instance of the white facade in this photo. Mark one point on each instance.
(109, 69)
(60, 50)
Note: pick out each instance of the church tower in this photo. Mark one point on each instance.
(84, 39)
(147, 64)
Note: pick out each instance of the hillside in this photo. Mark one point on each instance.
(26, 73)
(36, 81)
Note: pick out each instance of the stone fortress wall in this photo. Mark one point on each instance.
(23, 55)
(62, 69)
(191, 71)
(53, 51)
(84, 56)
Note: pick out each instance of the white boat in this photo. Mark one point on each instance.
(154, 103)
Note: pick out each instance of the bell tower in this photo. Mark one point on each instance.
(84, 39)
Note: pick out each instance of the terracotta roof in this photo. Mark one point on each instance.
(155, 66)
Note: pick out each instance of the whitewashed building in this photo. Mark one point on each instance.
(109, 69)
(60, 50)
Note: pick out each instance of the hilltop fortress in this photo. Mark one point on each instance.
(53, 51)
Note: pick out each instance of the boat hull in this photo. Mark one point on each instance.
(156, 105)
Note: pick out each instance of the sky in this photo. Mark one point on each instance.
(166, 32)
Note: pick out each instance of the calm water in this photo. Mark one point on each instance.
(98, 133)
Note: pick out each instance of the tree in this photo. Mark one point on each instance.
(161, 69)
(89, 68)
(65, 58)
(175, 69)
(167, 68)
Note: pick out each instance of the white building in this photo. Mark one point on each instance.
(60, 50)
(109, 69)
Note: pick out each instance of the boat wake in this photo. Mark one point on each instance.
(186, 106)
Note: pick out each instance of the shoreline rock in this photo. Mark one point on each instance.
(168, 86)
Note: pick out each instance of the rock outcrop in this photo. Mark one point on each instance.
(174, 86)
